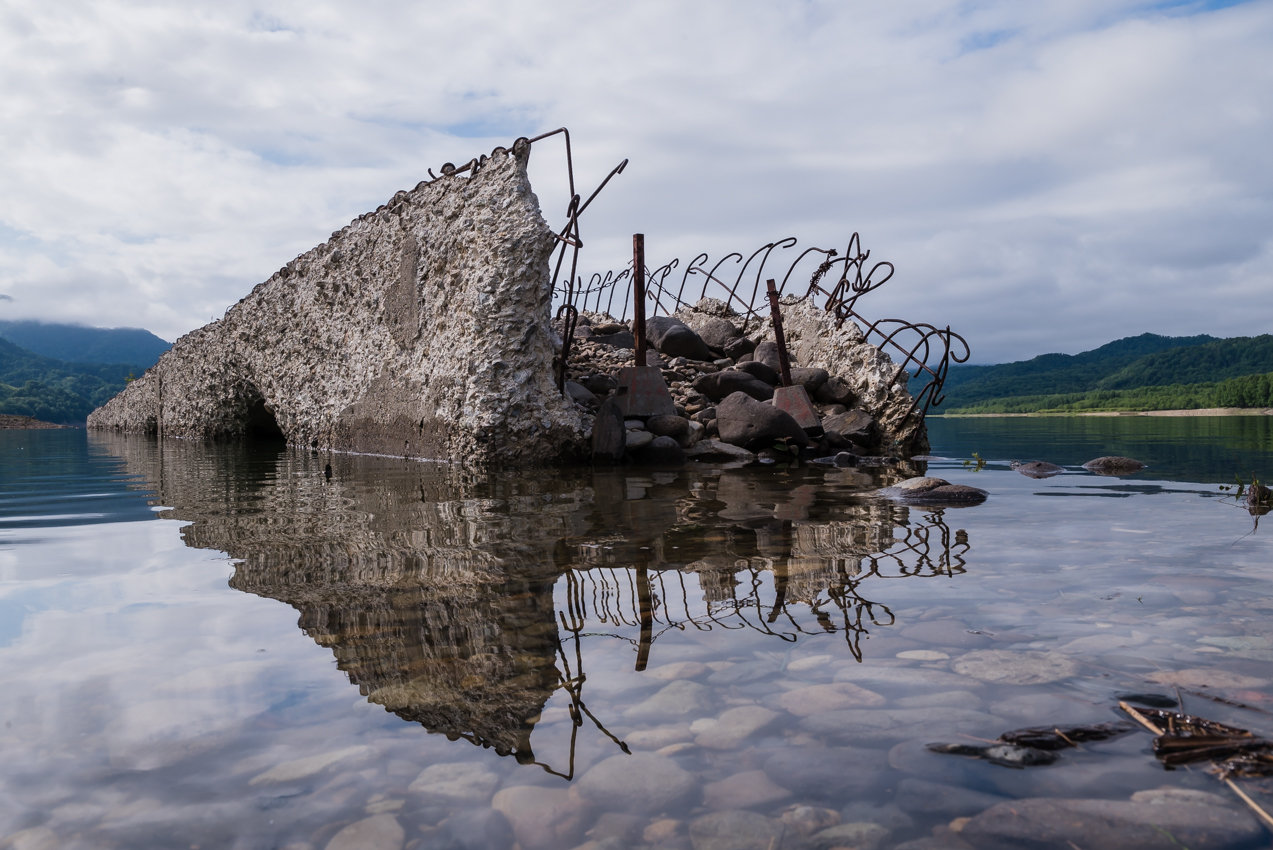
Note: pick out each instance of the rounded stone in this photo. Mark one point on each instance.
(1002, 667)
(644, 783)
(1114, 465)
(735, 830)
(1039, 469)
(378, 832)
(457, 783)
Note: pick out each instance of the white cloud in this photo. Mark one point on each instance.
(1045, 176)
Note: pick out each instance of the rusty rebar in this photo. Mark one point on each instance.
(638, 296)
(775, 314)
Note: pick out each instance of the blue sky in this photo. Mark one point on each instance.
(1045, 176)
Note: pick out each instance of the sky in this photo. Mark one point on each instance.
(1045, 176)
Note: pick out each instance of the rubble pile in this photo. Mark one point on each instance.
(722, 382)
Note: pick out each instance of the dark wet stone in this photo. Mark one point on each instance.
(1150, 700)
(1039, 469)
(1114, 465)
(667, 426)
(600, 385)
(609, 437)
(1005, 755)
(835, 391)
(622, 339)
(738, 348)
(661, 451)
(674, 338)
(580, 393)
(705, 415)
(920, 796)
(761, 372)
(852, 426)
(1094, 824)
(836, 774)
(718, 332)
(810, 379)
(719, 385)
(744, 421)
(845, 459)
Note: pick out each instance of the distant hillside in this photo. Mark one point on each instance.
(55, 390)
(1145, 361)
(1251, 391)
(79, 344)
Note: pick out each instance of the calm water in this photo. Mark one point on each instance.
(222, 647)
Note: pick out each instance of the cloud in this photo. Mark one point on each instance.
(1045, 176)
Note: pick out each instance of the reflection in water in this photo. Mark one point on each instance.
(435, 588)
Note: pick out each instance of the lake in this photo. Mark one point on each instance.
(245, 647)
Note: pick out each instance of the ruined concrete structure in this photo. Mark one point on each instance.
(419, 330)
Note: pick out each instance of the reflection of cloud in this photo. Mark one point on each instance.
(4, 297)
(1015, 160)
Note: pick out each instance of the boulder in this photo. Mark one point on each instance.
(600, 385)
(736, 348)
(622, 339)
(1038, 469)
(718, 450)
(667, 426)
(644, 783)
(834, 391)
(735, 830)
(581, 394)
(718, 333)
(610, 328)
(707, 414)
(762, 372)
(810, 379)
(637, 438)
(718, 385)
(852, 426)
(767, 353)
(746, 422)
(661, 451)
(1114, 465)
(674, 338)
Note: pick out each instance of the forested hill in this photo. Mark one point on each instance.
(1148, 360)
(79, 344)
(56, 390)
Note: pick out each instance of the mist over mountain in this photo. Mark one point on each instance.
(82, 344)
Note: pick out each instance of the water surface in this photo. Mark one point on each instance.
(222, 646)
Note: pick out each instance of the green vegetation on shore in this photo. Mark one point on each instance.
(1251, 391)
(55, 390)
(1146, 372)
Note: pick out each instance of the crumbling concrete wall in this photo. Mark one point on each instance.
(421, 329)
(814, 341)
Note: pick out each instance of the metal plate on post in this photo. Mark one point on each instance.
(795, 401)
(643, 392)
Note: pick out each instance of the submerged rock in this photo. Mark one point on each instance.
(644, 783)
(1093, 824)
(543, 818)
(1002, 667)
(935, 491)
(378, 832)
(459, 783)
(736, 830)
(1038, 469)
(1114, 465)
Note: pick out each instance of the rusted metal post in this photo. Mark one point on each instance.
(776, 314)
(638, 296)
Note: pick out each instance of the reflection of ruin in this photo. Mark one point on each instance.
(434, 588)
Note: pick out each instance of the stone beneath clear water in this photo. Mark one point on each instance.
(815, 699)
(919, 796)
(543, 818)
(455, 783)
(643, 783)
(904, 677)
(862, 835)
(736, 830)
(1114, 465)
(290, 771)
(746, 790)
(1003, 667)
(875, 726)
(835, 773)
(680, 699)
(378, 832)
(733, 727)
(1094, 824)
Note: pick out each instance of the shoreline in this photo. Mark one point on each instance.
(1203, 411)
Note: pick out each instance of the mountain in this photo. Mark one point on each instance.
(56, 390)
(1136, 373)
(80, 344)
